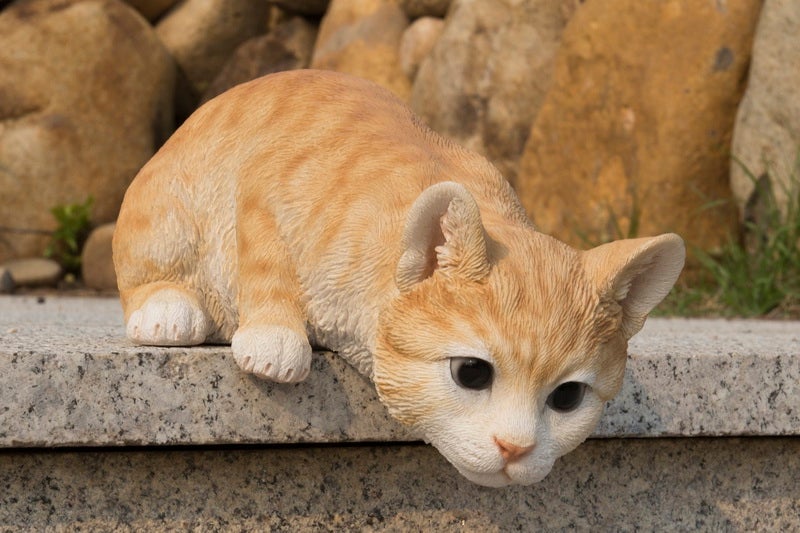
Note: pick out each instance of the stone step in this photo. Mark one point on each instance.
(99, 435)
(689, 484)
(69, 378)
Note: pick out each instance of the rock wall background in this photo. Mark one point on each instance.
(611, 118)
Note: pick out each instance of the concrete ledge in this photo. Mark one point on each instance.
(69, 378)
(719, 484)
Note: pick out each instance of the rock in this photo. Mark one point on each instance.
(362, 37)
(97, 267)
(633, 137)
(152, 9)
(425, 8)
(6, 281)
(85, 100)
(34, 272)
(287, 47)
(417, 42)
(487, 76)
(766, 137)
(304, 7)
(201, 35)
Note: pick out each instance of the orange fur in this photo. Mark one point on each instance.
(316, 207)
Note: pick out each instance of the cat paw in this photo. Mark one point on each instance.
(168, 318)
(272, 352)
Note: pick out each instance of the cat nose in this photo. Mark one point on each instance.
(512, 452)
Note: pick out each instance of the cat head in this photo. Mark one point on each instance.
(504, 344)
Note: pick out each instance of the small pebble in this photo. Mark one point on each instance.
(34, 272)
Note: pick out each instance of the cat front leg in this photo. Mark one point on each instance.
(271, 340)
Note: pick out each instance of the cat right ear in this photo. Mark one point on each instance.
(636, 273)
(443, 232)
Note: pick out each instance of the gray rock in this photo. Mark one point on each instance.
(6, 281)
(485, 79)
(766, 138)
(33, 272)
(85, 99)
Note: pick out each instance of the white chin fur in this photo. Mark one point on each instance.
(494, 479)
(500, 478)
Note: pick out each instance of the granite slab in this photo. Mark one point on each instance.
(68, 377)
(697, 484)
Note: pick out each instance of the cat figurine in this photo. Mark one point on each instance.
(311, 208)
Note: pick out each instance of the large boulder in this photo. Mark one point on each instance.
(86, 94)
(201, 35)
(766, 139)
(488, 73)
(634, 135)
(362, 37)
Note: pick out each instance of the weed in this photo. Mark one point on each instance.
(757, 274)
(760, 274)
(67, 240)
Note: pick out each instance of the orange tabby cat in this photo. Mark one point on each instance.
(312, 208)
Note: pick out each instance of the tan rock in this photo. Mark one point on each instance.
(766, 138)
(362, 37)
(202, 34)
(417, 42)
(634, 135)
(85, 99)
(34, 272)
(487, 75)
(287, 47)
(97, 266)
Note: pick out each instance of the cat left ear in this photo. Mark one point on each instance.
(443, 232)
(637, 274)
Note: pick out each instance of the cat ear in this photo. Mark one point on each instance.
(443, 231)
(637, 274)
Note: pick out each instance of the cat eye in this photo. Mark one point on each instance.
(567, 396)
(471, 372)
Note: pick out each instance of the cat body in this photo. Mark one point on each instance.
(313, 208)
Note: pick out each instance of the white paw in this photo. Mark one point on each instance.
(168, 318)
(272, 352)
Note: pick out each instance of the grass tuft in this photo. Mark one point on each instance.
(758, 274)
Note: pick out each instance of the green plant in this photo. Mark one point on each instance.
(760, 274)
(67, 240)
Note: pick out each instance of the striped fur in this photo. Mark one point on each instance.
(314, 208)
